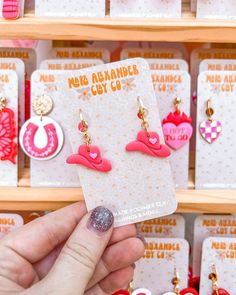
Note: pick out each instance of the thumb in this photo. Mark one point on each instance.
(80, 255)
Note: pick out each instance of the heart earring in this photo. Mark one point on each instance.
(8, 132)
(177, 128)
(214, 277)
(88, 155)
(175, 282)
(147, 142)
(41, 137)
(210, 129)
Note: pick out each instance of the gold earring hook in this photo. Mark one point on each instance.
(3, 103)
(142, 114)
(209, 110)
(86, 137)
(214, 277)
(130, 288)
(175, 281)
(177, 104)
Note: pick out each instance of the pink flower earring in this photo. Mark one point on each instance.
(147, 142)
(88, 155)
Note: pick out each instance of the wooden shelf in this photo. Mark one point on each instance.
(186, 29)
(25, 198)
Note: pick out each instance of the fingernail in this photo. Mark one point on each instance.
(101, 220)
(141, 238)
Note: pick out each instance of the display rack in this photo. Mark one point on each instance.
(187, 29)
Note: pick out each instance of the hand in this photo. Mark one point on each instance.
(69, 252)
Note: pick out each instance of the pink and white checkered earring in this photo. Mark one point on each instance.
(210, 129)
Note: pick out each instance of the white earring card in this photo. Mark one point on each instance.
(225, 9)
(217, 65)
(80, 53)
(8, 139)
(152, 53)
(167, 64)
(218, 255)
(9, 223)
(215, 139)
(156, 269)
(136, 188)
(210, 226)
(146, 8)
(168, 85)
(69, 64)
(172, 226)
(53, 172)
(72, 8)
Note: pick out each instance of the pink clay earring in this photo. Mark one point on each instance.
(88, 155)
(147, 142)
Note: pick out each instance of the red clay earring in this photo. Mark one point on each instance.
(88, 155)
(147, 142)
(8, 132)
(41, 137)
(177, 128)
(214, 277)
(175, 282)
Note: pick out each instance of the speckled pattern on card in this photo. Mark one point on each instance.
(155, 270)
(220, 252)
(214, 162)
(224, 9)
(139, 187)
(146, 8)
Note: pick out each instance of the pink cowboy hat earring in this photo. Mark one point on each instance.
(88, 155)
(147, 142)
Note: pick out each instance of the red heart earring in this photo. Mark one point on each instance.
(147, 142)
(214, 277)
(175, 282)
(88, 155)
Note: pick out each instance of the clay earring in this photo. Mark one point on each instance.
(147, 142)
(177, 127)
(175, 282)
(88, 155)
(41, 137)
(8, 147)
(214, 277)
(210, 129)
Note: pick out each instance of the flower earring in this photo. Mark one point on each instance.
(177, 127)
(88, 155)
(8, 132)
(175, 282)
(210, 129)
(147, 142)
(41, 137)
(214, 277)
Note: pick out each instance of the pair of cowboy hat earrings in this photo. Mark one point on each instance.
(147, 142)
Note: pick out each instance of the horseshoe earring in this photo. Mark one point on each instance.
(214, 277)
(175, 282)
(147, 142)
(41, 137)
(88, 155)
(8, 132)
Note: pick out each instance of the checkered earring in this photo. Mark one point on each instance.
(210, 129)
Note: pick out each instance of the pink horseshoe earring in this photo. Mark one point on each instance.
(88, 155)
(41, 137)
(147, 142)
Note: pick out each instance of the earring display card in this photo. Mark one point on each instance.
(72, 8)
(152, 53)
(210, 226)
(69, 64)
(211, 158)
(168, 85)
(17, 65)
(167, 64)
(53, 172)
(225, 9)
(219, 252)
(146, 8)
(172, 226)
(197, 56)
(138, 181)
(217, 65)
(155, 270)
(9, 223)
(9, 90)
(80, 53)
